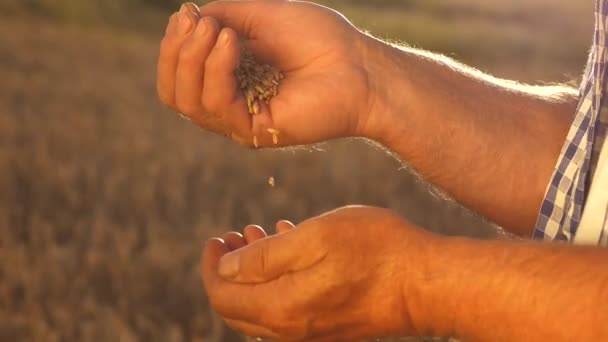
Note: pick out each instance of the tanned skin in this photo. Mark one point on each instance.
(362, 272)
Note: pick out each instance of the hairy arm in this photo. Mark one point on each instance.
(394, 279)
(518, 291)
(491, 144)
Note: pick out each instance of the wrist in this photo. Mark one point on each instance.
(435, 292)
(389, 88)
(420, 300)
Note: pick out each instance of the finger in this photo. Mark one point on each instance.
(214, 250)
(269, 259)
(221, 95)
(179, 27)
(190, 70)
(234, 240)
(284, 226)
(239, 15)
(249, 19)
(254, 233)
(250, 329)
(252, 20)
(193, 8)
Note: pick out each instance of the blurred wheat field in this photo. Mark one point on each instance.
(106, 197)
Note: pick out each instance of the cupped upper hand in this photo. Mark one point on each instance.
(325, 93)
(345, 275)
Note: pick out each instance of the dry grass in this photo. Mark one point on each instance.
(106, 197)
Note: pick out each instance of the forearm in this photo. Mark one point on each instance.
(489, 143)
(517, 291)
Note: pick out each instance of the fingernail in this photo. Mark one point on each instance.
(229, 266)
(287, 222)
(193, 8)
(212, 240)
(202, 26)
(183, 9)
(224, 37)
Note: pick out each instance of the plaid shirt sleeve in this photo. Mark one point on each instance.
(562, 208)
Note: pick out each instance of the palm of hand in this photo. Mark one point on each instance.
(325, 88)
(335, 290)
(318, 103)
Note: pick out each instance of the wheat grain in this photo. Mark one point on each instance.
(275, 135)
(258, 82)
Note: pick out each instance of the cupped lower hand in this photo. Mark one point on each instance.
(342, 276)
(325, 93)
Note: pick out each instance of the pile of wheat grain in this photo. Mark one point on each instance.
(258, 82)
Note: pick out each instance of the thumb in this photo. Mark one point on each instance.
(270, 258)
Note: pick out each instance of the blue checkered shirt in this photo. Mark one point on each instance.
(562, 208)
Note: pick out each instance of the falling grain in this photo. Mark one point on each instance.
(275, 135)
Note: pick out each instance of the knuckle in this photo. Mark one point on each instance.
(186, 105)
(213, 26)
(166, 44)
(189, 54)
(173, 18)
(210, 101)
(255, 264)
(212, 61)
(187, 108)
(165, 98)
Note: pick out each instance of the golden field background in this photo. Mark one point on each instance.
(106, 197)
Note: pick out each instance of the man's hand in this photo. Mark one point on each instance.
(325, 92)
(363, 272)
(474, 136)
(340, 276)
